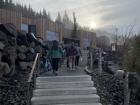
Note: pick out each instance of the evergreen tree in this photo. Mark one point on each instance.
(19, 8)
(74, 32)
(49, 16)
(132, 59)
(58, 19)
(6, 4)
(44, 13)
(11, 5)
(37, 15)
(32, 13)
(65, 18)
(25, 11)
(1, 4)
(10, 1)
(29, 11)
(67, 22)
(40, 14)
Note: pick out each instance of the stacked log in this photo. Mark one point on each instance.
(17, 54)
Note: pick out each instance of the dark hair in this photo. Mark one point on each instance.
(55, 45)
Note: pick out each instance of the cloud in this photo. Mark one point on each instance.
(105, 13)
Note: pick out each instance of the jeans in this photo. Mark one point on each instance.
(71, 62)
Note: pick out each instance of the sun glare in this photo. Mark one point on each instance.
(93, 25)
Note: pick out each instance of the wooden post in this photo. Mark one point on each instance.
(91, 60)
(28, 93)
(126, 89)
(100, 61)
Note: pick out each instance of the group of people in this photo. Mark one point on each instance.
(60, 53)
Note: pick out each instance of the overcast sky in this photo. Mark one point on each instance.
(99, 14)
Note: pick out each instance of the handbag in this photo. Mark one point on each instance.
(48, 66)
(81, 59)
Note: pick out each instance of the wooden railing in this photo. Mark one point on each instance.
(32, 76)
(33, 68)
(91, 59)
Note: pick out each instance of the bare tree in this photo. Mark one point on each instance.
(126, 41)
(126, 38)
(123, 38)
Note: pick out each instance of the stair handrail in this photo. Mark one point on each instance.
(31, 77)
(33, 68)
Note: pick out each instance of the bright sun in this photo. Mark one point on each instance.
(93, 25)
